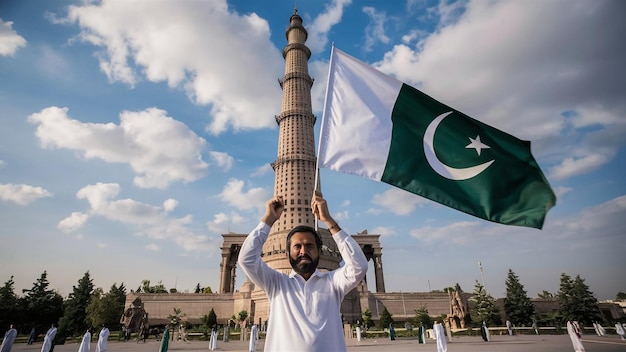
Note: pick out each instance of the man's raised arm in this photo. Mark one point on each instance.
(250, 254)
(355, 261)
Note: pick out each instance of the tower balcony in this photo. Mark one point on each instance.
(293, 157)
(294, 112)
(296, 46)
(292, 75)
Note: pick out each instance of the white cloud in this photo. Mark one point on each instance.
(561, 191)
(10, 41)
(234, 194)
(2, 163)
(143, 41)
(101, 198)
(342, 215)
(398, 201)
(577, 165)
(383, 231)
(146, 220)
(604, 221)
(375, 29)
(262, 170)
(457, 233)
(594, 226)
(321, 25)
(223, 223)
(223, 160)
(22, 194)
(159, 149)
(73, 222)
(169, 205)
(53, 64)
(152, 247)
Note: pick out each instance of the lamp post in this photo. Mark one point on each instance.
(480, 266)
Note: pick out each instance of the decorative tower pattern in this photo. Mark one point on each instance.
(295, 164)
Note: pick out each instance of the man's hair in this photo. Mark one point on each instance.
(304, 228)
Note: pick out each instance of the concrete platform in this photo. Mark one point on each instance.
(517, 343)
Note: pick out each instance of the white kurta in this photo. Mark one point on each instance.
(254, 337)
(48, 340)
(574, 335)
(7, 341)
(85, 344)
(619, 329)
(304, 314)
(440, 335)
(213, 340)
(103, 340)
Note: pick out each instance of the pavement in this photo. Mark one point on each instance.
(516, 343)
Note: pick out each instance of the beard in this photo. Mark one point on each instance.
(303, 267)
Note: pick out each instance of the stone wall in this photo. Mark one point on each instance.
(194, 305)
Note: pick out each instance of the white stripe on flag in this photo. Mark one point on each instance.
(356, 123)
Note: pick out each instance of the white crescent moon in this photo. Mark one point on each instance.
(442, 169)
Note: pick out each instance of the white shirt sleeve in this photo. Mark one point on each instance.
(355, 264)
(251, 262)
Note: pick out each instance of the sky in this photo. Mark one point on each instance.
(134, 133)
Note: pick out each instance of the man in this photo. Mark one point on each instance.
(9, 338)
(304, 305)
(574, 333)
(103, 340)
(48, 340)
(31, 336)
(440, 335)
(254, 337)
(85, 344)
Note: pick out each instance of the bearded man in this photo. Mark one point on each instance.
(304, 305)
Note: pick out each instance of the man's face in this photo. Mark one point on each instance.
(303, 254)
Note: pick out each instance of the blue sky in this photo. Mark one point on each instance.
(133, 134)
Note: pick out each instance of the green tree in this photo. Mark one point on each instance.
(41, 306)
(621, 296)
(207, 290)
(385, 318)
(118, 295)
(545, 295)
(566, 297)
(176, 318)
(243, 315)
(518, 307)
(577, 302)
(97, 309)
(9, 304)
(422, 318)
(367, 318)
(145, 287)
(74, 321)
(485, 308)
(208, 322)
(107, 308)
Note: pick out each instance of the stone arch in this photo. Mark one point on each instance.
(230, 252)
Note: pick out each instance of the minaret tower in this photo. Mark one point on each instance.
(295, 164)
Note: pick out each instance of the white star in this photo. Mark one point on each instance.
(477, 144)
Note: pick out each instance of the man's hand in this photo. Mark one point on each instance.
(320, 210)
(273, 210)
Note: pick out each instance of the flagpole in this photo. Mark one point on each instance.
(322, 127)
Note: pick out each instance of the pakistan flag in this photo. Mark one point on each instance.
(377, 127)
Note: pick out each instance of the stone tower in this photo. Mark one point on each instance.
(295, 163)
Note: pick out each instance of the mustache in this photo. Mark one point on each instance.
(299, 259)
